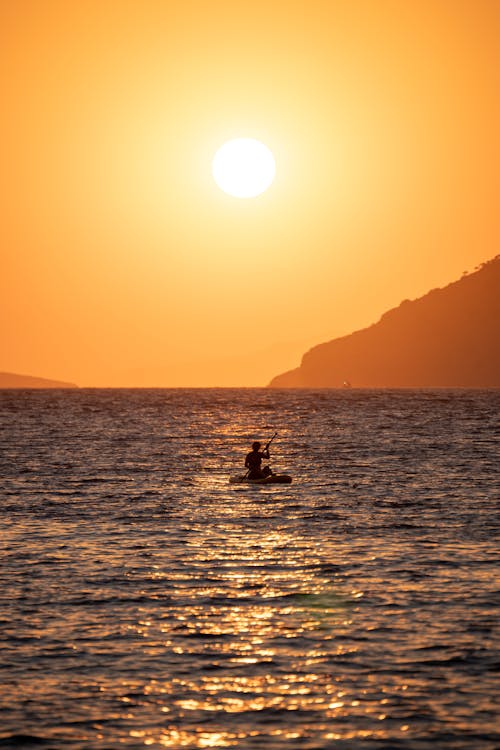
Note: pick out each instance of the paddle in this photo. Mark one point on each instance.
(269, 443)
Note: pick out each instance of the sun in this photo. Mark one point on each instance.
(243, 167)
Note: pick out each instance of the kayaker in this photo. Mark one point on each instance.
(253, 462)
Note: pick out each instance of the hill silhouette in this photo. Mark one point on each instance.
(11, 380)
(448, 338)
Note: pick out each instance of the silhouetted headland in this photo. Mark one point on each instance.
(11, 380)
(448, 338)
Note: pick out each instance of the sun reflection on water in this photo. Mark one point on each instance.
(257, 635)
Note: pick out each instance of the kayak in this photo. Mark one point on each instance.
(271, 479)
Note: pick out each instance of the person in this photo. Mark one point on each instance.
(253, 462)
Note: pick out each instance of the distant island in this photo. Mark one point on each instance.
(448, 338)
(11, 380)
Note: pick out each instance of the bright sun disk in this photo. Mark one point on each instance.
(243, 167)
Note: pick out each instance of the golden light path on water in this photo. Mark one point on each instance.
(242, 637)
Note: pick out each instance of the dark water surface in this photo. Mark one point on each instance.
(146, 602)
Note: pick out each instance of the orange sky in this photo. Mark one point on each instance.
(123, 264)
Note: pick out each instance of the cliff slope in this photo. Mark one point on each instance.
(11, 380)
(448, 338)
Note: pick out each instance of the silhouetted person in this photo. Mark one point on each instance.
(253, 462)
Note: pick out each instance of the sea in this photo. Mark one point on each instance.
(146, 602)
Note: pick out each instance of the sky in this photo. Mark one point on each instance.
(124, 264)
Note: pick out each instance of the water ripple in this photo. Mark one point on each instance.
(148, 603)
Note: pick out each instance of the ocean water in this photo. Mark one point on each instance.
(146, 602)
